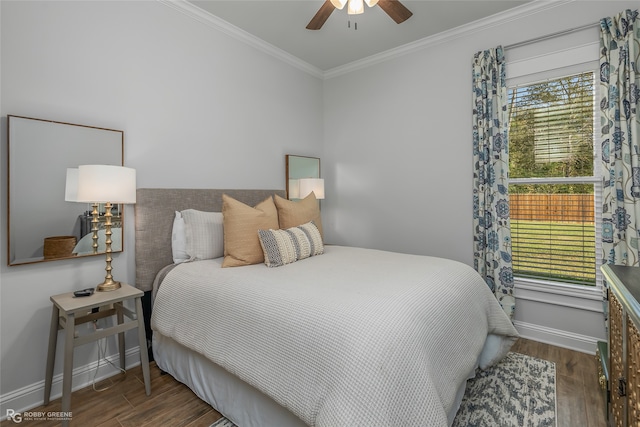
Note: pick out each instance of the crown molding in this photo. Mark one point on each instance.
(212, 21)
(223, 26)
(531, 8)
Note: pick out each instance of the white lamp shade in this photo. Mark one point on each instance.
(371, 3)
(338, 4)
(294, 189)
(106, 184)
(355, 7)
(307, 185)
(71, 186)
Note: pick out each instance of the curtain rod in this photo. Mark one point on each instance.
(550, 36)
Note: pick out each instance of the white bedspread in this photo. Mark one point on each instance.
(354, 337)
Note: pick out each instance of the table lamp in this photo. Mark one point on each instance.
(307, 185)
(110, 185)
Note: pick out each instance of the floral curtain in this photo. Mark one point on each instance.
(492, 232)
(620, 126)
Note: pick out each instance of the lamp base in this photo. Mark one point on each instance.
(108, 286)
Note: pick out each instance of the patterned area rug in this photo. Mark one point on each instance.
(519, 391)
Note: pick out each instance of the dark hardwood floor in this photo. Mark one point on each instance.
(579, 397)
(171, 404)
(125, 404)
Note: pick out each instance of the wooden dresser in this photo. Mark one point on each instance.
(624, 344)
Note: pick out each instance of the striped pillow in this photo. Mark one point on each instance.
(282, 247)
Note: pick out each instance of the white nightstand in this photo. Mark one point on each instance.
(69, 311)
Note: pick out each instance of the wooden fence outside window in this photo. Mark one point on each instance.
(552, 207)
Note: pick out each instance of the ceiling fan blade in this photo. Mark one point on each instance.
(396, 10)
(321, 16)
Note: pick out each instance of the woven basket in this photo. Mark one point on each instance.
(59, 246)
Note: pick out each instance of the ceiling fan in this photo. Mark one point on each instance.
(396, 10)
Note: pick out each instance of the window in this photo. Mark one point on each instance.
(553, 181)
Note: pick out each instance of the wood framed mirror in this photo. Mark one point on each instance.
(42, 226)
(298, 167)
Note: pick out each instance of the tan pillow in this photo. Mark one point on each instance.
(241, 225)
(293, 214)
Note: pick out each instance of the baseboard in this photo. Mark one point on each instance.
(557, 337)
(32, 396)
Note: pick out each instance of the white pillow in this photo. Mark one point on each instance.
(204, 234)
(179, 240)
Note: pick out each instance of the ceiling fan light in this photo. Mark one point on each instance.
(339, 4)
(371, 3)
(356, 7)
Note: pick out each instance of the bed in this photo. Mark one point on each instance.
(352, 336)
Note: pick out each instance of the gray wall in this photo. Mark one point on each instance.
(198, 108)
(398, 173)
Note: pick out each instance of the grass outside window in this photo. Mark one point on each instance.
(560, 251)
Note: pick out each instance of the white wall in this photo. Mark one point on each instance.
(398, 157)
(198, 109)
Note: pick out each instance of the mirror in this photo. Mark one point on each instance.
(42, 225)
(298, 167)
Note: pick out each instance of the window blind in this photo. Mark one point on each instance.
(553, 236)
(551, 127)
(553, 189)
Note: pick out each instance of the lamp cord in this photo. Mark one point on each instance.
(102, 355)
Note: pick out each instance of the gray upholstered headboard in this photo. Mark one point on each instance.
(155, 210)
